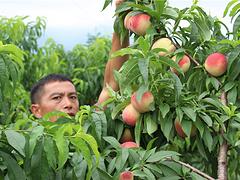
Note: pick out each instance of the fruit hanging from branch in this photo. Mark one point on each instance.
(130, 115)
(184, 63)
(144, 104)
(216, 64)
(164, 43)
(137, 22)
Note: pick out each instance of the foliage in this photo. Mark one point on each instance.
(87, 146)
(193, 97)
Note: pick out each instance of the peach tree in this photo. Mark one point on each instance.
(189, 62)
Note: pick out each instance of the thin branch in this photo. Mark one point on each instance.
(190, 57)
(194, 169)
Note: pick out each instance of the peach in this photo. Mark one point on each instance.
(126, 136)
(164, 43)
(127, 21)
(129, 144)
(183, 63)
(216, 64)
(179, 129)
(138, 23)
(143, 105)
(126, 175)
(130, 115)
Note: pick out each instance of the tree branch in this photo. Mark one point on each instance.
(194, 169)
(222, 156)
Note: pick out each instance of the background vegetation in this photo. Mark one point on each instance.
(87, 146)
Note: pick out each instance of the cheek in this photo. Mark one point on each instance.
(48, 107)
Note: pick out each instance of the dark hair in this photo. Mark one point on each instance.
(38, 87)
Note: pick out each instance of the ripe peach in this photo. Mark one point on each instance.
(126, 136)
(183, 63)
(138, 23)
(126, 175)
(179, 129)
(143, 105)
(216, 64)
(127, 21)
(164, 43)
(129, 144)
(130, 115)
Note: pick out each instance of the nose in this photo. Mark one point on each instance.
(67, 103)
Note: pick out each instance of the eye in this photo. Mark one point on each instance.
(57, 98)
(73, 97)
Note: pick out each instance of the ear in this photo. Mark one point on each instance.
(36, 110)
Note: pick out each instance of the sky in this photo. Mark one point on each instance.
(71, 21)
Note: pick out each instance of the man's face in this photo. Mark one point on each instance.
(60, 96)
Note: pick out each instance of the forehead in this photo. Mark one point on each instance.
(58, 87)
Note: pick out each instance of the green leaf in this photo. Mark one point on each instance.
(159, 6)
(206, 119)
(122, 159)
(235, 9)
(214, 102)
(104, 175)
(107, 2)
(166, 126)
(62, 146)
(228, 86)
(111, 140)
(232, 95)
(161, 155)
(143, 67)
(177, 87)
(150, 123)
(14, 170)
(208, 140)
(187, 127)
(138, 129)
(149, 173)
(127, 51)
(144, 44)
(51, 151)
(228, 7)
(92, 143)
(36, 132)
(83, 148)
(119, 108)
(16, 140)
(164, 108)
(169, 62)
(236, 24)
(143, 9)
(190, 113)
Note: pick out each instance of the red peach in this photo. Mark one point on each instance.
(143, 105)
(216, 64)
(179, 129)
(126, 175)
(127, 21)
(129, 144)
(139, 23)
(130, 115)
(183, 63)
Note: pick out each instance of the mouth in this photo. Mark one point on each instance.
(71, 114)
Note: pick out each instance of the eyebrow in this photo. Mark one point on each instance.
(61, 94)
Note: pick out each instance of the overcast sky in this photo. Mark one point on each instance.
(70, 21)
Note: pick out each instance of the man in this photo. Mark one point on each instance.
(57, 92)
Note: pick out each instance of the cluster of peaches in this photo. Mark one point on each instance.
(138, 23)
(215, 64)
